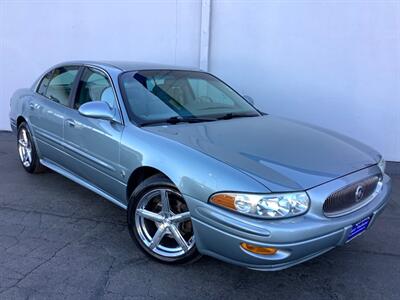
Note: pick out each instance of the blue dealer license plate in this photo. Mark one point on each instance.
(359, 228)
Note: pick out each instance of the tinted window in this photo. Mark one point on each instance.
(42, 88)
(61, 83)
(161, 94)
(94, 86)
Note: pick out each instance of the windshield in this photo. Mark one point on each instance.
(159, 95)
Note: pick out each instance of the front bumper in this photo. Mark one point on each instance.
(219, 232)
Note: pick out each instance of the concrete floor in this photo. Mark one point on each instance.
(59, 240)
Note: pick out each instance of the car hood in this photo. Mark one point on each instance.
(282, 154)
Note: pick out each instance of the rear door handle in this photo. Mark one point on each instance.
(71, 123)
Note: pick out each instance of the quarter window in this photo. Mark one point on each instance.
(42, 88)
(61, 83)
(94, 86)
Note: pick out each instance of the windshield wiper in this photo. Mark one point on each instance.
(233, 115)
(176, 120)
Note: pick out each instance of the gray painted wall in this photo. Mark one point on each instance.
(332, 63)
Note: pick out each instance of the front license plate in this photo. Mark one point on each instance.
(358, 228)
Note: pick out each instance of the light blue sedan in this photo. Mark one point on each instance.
(198, 168)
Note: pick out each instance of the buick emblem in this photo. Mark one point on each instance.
(359, 193)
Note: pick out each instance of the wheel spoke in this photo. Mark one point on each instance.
(178, 237)
(182, 217)
(149, 215)
(22, 151)
(165, 202)
(29, 155)
(157, 237)
(22, 143)
(26, 156)
(25, 137)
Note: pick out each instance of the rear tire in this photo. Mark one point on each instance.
(159, 222)
(27, 150)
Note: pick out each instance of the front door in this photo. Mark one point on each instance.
(93, 144)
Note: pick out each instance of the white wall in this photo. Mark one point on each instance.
(331, 63)
(35, 35)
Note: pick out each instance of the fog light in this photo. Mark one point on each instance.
(259, 250)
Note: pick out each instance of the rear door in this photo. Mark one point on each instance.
(94, 143)
(48, 110)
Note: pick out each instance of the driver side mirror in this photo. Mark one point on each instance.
(249, 99)
(97, 110)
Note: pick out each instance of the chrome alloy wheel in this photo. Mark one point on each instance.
(163, 223)
(24, 148)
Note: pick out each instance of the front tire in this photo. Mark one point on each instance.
(159, 222)
(27, 150)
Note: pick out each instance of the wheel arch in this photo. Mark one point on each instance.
(20, 119)
(139, 175)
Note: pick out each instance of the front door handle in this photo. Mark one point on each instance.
(32, 105)
(71, 123)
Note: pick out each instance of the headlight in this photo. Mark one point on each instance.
(382, 165)
(268, 206)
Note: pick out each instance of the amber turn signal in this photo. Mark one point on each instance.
(224, 200)
(259, 250)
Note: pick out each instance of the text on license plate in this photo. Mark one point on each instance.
(358, 228)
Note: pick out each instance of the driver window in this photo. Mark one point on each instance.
(94, 86)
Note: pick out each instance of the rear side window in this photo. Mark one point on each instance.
(42, 88)
(61, 83)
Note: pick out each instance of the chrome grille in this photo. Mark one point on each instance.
(350, 197)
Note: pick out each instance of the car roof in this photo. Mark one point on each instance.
(131, 66)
